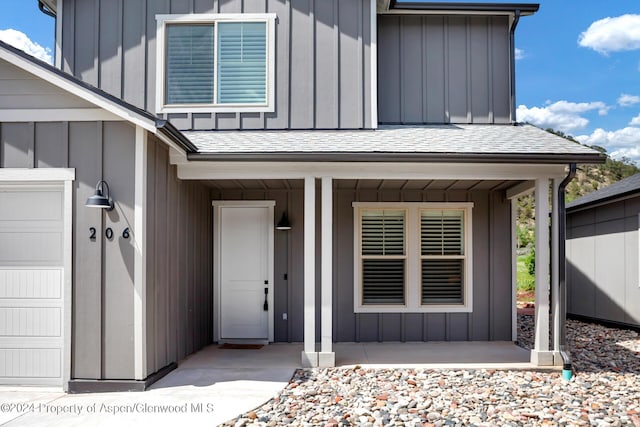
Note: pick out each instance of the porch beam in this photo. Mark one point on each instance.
(327, 358)
(372, 170)
(540, 355)
(520, 189)
(309, 353)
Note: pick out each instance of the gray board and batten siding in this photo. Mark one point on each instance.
(603, 276)
(443, 69)
(103, 275)
(179, 262)
(323, 52)
(492, 307)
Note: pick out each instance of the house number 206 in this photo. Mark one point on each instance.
(108, 233)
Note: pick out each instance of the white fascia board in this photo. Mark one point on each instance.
(77, 90)
(369, 170)
(57, 115)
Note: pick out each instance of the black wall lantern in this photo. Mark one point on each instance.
(99, 200)
(284, 223)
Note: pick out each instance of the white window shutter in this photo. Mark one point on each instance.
(383, 241)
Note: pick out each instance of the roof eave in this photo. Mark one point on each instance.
(380, 157)
(525, 9)
(604, 200)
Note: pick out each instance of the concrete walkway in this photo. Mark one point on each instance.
(215, 385)
(208, 388)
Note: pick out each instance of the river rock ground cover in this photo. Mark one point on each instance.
(605, 391)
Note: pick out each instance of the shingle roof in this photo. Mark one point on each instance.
(482, 141)
(616, 190)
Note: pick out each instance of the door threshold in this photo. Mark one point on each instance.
(247, 341)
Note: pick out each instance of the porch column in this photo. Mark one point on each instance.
(540, 355)
(309, 354)
(514, 269)
(327, 358)
(557, 321)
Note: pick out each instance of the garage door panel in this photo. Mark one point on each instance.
(30, 247)
(30, 283)
(30, 321)
(30, 363)
(27, 205)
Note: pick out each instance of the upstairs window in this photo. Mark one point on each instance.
(412, 257)
(215, 63)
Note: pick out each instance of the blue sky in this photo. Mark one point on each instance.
(578, 69)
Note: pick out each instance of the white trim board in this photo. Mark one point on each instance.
(37, 174)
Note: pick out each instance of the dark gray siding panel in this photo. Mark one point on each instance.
(118, 253)
(443, 69)
(179, 267)
(322, 56)
(602, 255)
(17, 144)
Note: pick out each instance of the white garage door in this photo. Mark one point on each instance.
(31, 284)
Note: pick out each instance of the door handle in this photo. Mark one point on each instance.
(265, 306)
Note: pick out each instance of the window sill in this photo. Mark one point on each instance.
(216, 109)
(420, 309)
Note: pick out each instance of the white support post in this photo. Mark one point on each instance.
(555, 274)
(309, 353)
(514, 269)
(327, 358)
(140, 268)
(540, 355)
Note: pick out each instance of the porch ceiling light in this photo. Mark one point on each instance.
(99, 200)
(284, 223)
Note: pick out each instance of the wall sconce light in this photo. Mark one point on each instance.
(284, 223)
(99, 200)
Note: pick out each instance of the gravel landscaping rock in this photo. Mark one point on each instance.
(605, 391)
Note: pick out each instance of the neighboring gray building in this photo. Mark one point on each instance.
(384, 131)
(603, 254)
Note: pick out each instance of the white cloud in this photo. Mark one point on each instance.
(519, 54)
(635, 121)
(21, 41)
(619, 143)
(562, 115)
(612, 34)
(626, 100)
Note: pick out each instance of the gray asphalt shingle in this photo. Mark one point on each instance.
(438, 139)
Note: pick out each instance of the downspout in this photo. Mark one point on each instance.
(512, 47)
(567, 371)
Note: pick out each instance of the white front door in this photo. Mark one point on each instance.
(245, 267)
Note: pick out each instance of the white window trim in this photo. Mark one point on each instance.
(413, 256)
(163, 20)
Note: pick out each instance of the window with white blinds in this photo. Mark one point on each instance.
(216, 63)
(412, 257)
(442, 256)
(383, 256)
(242, 63)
